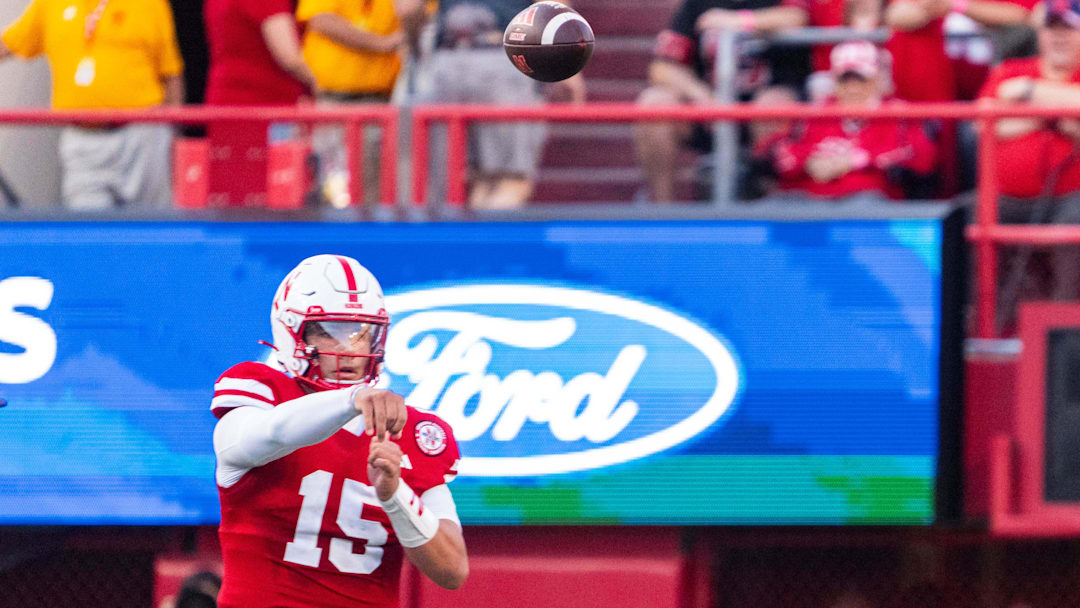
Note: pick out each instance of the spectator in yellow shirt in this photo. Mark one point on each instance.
(107, 54)
(354, 49)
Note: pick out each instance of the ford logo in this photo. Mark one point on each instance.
(538, 380)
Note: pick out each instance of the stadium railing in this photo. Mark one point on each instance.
(732, 45)
(985, 233)
(353, 118)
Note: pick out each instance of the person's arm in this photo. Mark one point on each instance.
(338, 29)
(761, 20)
(1050, 93)
(790, 156)
(411, 16)
(429, 533)
(1025, 89)
(865, 15)
(916, 152)
(174, 90)
(780, 18)
(911, 15)
(443, 559)
(279, 34)
(169, 64)
(679, 79)
(25, 36)
(994, 12)
(248, 436)
(924, 154)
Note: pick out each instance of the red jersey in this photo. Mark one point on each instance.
(242, 70)
(307, 529)
(874, 146)
(1023, 162)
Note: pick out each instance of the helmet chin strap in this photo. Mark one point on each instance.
(315, 376)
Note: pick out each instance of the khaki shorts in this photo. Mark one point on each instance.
(107, 168)
(486, 76)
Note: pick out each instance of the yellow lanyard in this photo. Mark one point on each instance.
(93, 19)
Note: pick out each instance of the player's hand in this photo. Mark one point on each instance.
(384, 466)
(383, 411)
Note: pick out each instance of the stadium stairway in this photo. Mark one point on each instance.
(595, 162)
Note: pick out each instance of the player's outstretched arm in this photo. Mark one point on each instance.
(433, 544)
(443, 559)
(249, 437)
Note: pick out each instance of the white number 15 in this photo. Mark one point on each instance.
(304, 547)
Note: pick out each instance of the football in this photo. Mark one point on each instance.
(549, 41)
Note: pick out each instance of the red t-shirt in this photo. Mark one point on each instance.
(922, 70)
(820, 13)
(242, 70)
(874, 146)
(1024, 162)
(307, 529)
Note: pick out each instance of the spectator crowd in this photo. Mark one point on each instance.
(124, 54)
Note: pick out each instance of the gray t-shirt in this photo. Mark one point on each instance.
(472, 19)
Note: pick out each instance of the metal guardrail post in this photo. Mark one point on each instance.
(725, 133)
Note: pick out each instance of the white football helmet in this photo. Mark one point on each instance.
(332, 300)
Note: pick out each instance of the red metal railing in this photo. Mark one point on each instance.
(352, 117)
(985, 233)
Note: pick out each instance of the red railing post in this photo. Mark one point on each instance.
(420, 143)
(389, 164)
(986, 215)
(354, 160)
(457, 148)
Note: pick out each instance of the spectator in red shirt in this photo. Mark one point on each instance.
(839, 158)
(1037, 160)
(255, 56)
(921, 69)
(682, 72)
(255, 59)
(861, 15)
(1029, 149)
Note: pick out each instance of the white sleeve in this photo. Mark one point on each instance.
(439, 501)
(248, 436)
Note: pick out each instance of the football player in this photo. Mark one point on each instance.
(327, 483)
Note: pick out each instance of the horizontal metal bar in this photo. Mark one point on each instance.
(1046, 235)
(739, 112)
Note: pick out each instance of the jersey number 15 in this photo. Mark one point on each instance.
(304, 548)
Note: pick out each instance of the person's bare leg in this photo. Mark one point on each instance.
(510, 192)
(657, 146)
(480, 191)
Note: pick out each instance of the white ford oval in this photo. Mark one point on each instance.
(446, 376)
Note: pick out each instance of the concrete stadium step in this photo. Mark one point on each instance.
(621, 58)
(585, 145)
(612, 184)
(618, 17)
(596, 163)
(595, 146)
(614, 90)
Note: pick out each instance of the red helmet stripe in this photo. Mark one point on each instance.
(350, 279)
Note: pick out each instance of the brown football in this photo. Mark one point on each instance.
(549, 41)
